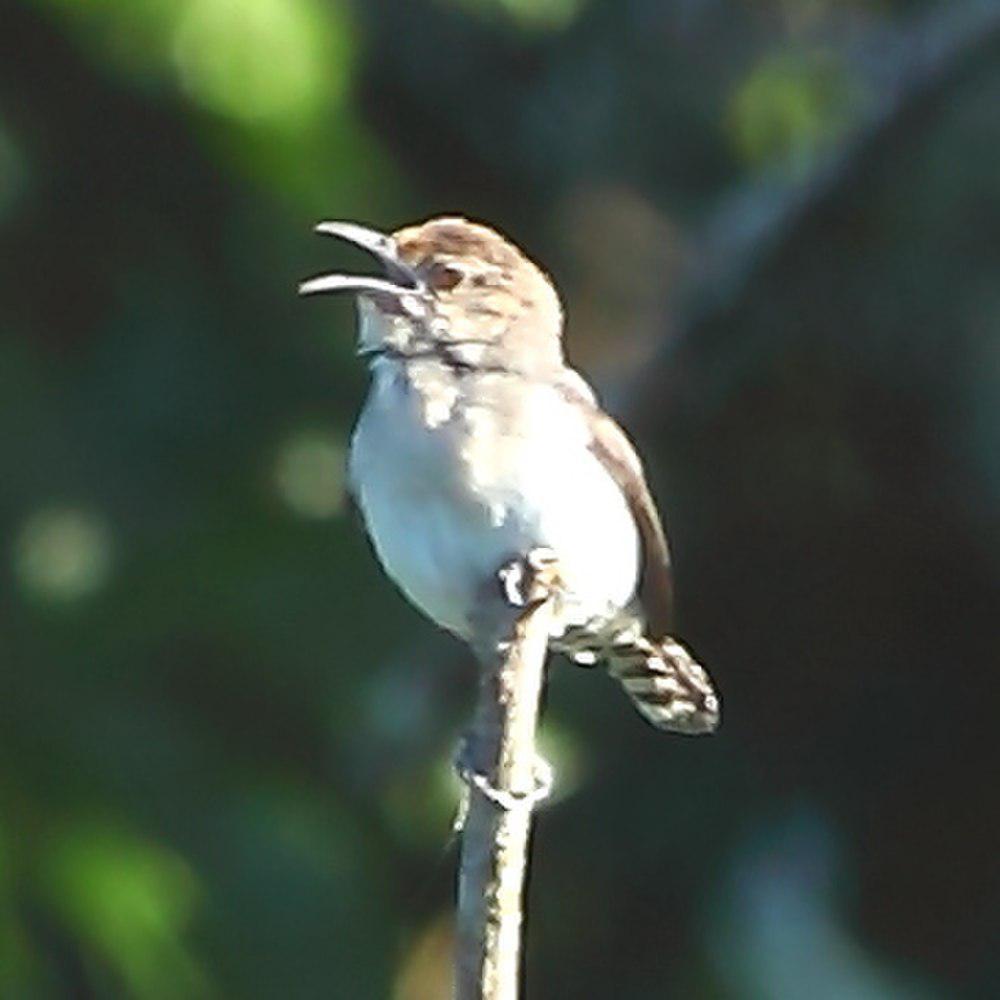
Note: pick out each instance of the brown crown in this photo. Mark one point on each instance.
(458, 237)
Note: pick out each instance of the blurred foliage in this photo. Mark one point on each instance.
(790, 107)
(532, 15)
(224, 738)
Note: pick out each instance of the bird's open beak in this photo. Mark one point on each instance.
(400, 280)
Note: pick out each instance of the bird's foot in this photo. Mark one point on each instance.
(508, 799)
(531, 580)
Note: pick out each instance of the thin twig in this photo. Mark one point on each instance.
(501, 769)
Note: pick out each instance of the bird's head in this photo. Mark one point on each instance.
(452, 287)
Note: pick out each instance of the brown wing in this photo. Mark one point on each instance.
(618, 455)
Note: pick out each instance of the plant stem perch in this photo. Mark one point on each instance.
(506, 779)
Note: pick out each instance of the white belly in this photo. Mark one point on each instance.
(452, 488)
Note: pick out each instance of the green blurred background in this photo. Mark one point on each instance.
(225, 739)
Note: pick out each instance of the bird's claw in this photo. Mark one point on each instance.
(529, 581)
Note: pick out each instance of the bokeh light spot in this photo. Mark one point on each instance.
(420, 803)
(131, 901)
(271, 60)
(309, 474)
(63, 554)
(538, 15)
(792, 107)
(562, 748)
(427, 968)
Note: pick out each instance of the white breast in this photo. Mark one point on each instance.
(458, 475)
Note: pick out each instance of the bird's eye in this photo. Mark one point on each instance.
(444, 277)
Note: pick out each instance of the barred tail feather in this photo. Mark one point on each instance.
(668, 687)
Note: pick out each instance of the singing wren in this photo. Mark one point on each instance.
(478, 444)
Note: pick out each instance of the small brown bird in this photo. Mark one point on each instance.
(478, 444)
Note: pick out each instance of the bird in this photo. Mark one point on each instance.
(478, 443)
